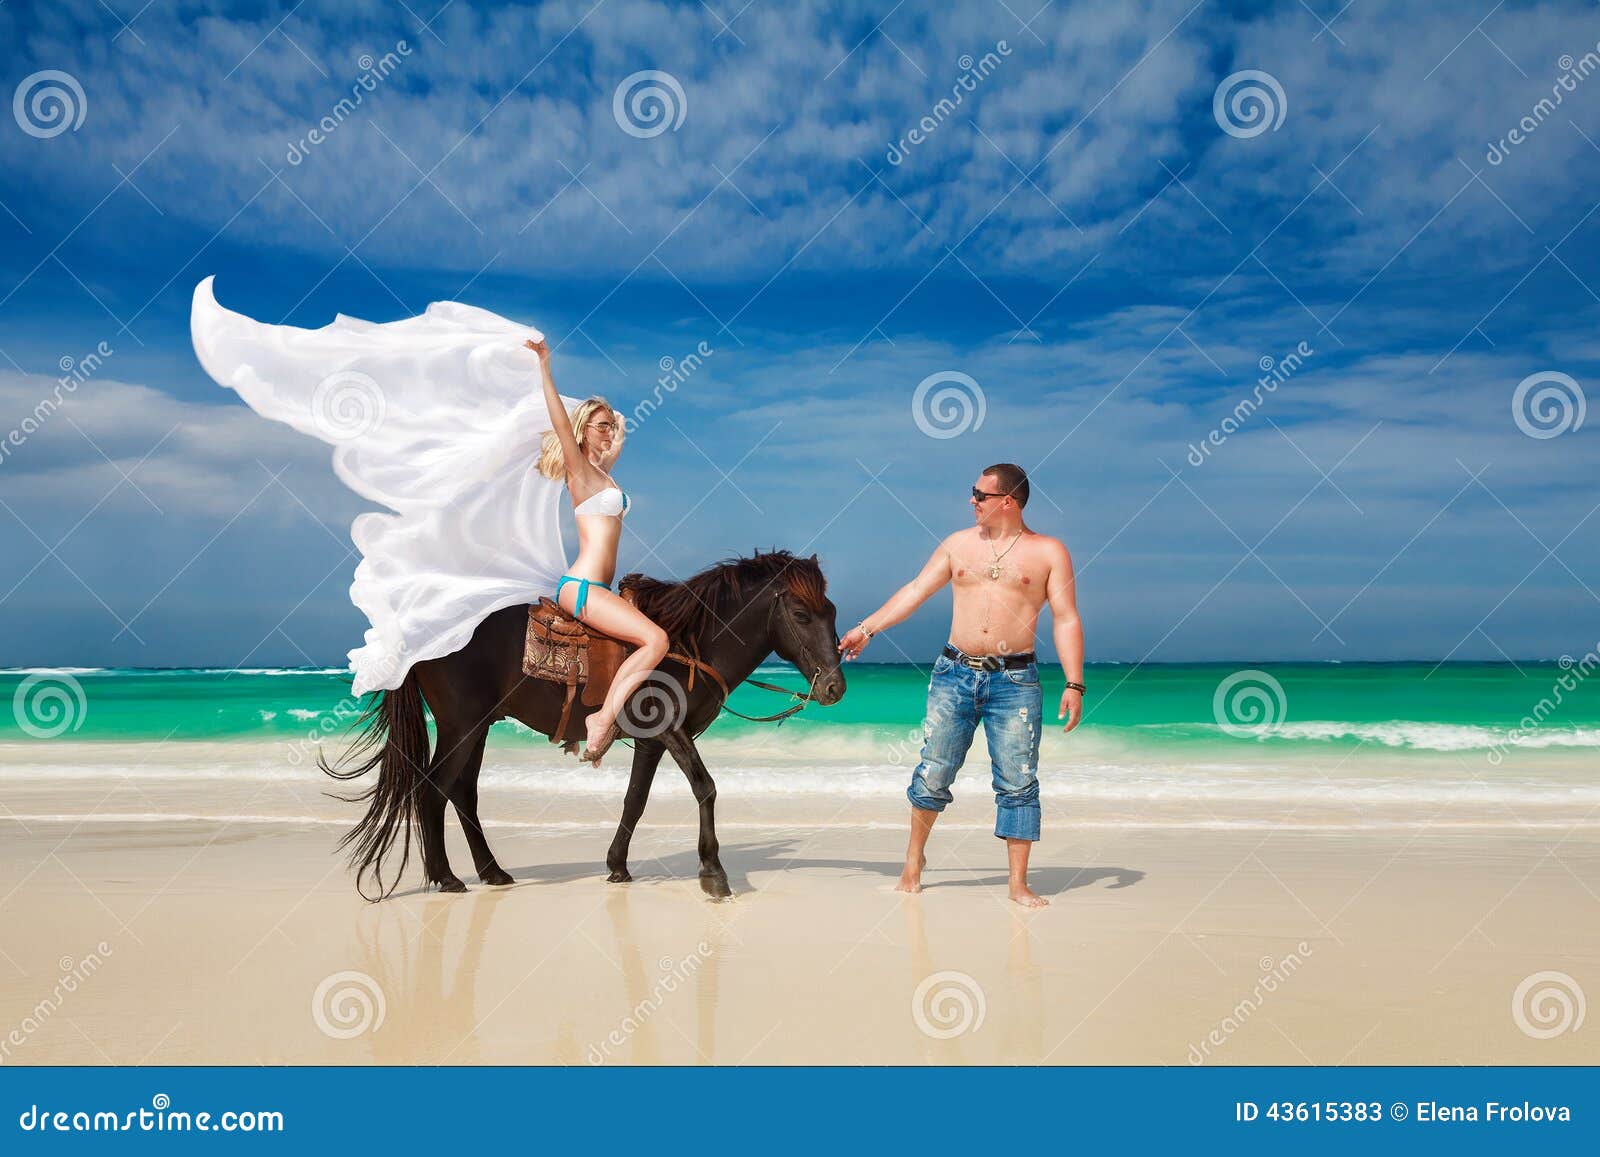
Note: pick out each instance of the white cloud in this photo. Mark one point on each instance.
(123, 449)
(1102, 128)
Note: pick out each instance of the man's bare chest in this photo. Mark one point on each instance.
(998, 572)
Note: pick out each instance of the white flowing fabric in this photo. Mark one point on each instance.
(437, 417)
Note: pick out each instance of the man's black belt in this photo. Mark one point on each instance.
(989, 662)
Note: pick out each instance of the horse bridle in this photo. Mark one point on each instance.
(694, 662)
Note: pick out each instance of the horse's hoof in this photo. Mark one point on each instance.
(495, 876)
(620, 876)
(451, 885)
(716, 887)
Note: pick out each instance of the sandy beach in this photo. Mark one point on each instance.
(142, 928)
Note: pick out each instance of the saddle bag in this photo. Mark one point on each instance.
(563, 650)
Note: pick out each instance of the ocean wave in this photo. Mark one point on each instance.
(1275, 784)
(1105, 783)
(53, 670)
(272, 671)
(1172, 743)
(1440, 736)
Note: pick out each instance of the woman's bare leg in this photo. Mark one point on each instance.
(619, 618)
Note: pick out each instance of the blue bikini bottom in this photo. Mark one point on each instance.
(583, 591)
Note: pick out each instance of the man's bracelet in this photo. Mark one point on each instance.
(1071, 686)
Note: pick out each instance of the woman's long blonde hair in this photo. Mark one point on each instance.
(552, 463)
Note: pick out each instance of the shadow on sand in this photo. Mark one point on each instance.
(783, 855)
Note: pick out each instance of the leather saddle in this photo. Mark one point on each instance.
(563, 650)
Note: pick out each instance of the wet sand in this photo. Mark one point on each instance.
(199, 940)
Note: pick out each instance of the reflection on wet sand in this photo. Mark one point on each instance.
(815, 961)
(404, 948)
(1024, 1011)
(654, 990)
(949, 1004)
(619, 978)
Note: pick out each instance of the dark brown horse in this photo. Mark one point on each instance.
(731, 616)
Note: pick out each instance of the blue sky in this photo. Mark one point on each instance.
(1080, 235)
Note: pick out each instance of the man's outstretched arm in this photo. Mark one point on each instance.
(902, 604)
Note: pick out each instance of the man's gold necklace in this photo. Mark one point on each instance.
(994, 567)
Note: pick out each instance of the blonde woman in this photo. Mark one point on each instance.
(430, 417)
(580, 449)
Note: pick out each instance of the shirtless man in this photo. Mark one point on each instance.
(1001, 573)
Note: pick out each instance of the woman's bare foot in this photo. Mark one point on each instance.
(599, 736)
(1027, 897)
(911, 878)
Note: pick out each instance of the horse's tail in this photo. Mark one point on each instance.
(394, 740)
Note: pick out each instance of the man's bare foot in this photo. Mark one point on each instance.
(911, 878)
(1028, 898)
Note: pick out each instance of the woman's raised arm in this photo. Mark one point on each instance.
(559, 418)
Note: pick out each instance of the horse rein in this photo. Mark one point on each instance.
(694, 663)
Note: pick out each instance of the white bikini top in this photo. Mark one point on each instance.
(612, 500)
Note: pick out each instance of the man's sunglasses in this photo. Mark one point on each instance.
(980, 495)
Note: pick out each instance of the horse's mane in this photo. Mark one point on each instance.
(689, 608)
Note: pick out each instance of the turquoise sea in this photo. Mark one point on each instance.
(1235, 741)
(1402, 706)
